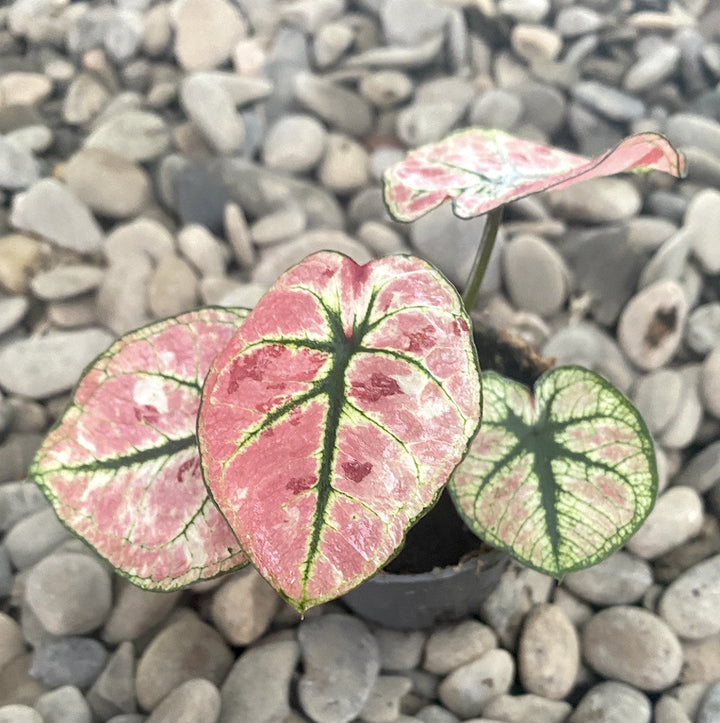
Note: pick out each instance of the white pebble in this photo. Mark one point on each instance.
(651, 324)
(676, 518)
(690, 604)
(634, 646)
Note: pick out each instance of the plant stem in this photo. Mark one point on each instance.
(487, 242)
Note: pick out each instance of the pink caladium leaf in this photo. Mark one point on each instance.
(121, 467)
(559, 478)
(479, 169)
(335, 415)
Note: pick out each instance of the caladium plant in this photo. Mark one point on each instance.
(308, 435)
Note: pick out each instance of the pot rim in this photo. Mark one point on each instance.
(478, 560)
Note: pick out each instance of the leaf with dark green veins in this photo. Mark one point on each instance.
(561, 478)
(121, 467)
(332, 420)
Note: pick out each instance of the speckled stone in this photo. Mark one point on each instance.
(690, 603)
(341, 108)
(548, 652)
(12, 311)
(676, 517)
(383, 703)
(657, 396)
(136, 612)
(64, 705)
(122, 298)
(19, 500)
(634, 646)
(69, 592)
(212, 109)
(505, 608)
(173, 287)
(710, 383)
(19, 713)
(21, 256)
(205, 32)
(701, 216)
(113, 693)
(294, 143)
(49, 209)
(40, 367)
(34, 537)
(709, 709)
(651, 324)
(535, 275)
(450, 647)
(137, 135)
(195, 699)
(400, 650)
(108, 183)
(257, 688)
(599, 200)
(243, 606)
(528, 707)
(620, 579)
(467, 690)
(341, 662)
(65, 282)
(198, 651)
(345, 165)
(669, 710)
(612, 702)
(11, 639)
(72, 660)
(208, 254)
(701, 660)
(685, 424)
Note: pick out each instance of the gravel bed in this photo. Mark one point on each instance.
(156, 156)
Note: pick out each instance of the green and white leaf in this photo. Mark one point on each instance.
(560, 478)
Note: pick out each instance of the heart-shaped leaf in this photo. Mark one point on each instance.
(560, 479)
(481, 169)
(335, 415)
(121, 466)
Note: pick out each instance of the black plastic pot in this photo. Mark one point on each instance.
(410, 602)
(404, 596)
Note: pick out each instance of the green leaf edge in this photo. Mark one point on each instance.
(35, 477)
(647, 443)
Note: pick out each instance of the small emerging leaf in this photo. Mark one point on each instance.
(481, 169)
(121, 466)
(335, 415)
(560, 479)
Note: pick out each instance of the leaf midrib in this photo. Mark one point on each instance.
(140, 456)
(333, 386)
